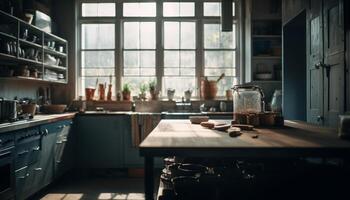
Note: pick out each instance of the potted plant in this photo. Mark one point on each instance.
(143, 89)
(152, 90)
(126, 92)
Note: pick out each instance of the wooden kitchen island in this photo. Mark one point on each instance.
(181, 138)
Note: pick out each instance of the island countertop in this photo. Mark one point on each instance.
(180, 137)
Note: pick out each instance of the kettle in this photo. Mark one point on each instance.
(8, 110)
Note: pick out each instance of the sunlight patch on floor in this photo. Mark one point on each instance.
(101, 196)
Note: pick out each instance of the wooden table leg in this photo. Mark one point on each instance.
(149, 178)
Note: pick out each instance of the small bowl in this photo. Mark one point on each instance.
(54, 108)
(198, 119)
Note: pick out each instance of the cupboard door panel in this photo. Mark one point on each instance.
(333, 27)
(334, 68)
(314, 57)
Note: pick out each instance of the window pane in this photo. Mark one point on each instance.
(188, 59)
(213, 9)
(139, 35)
(173, 83)
(148, 59)
(131, 35)
(148, 72)
(134, 60)
(148, 35)
(171, 71)
(98, 72)
(220, 59)
(187, 71)
(171, 35)
(98, 9)
(97, 36)
(215, 39)
(97, 59)
(131, 59)
(188, 35)
(211, 36)
(139, 9)
(176, 9)
(215, 72)
(172, 39)
(171, 59)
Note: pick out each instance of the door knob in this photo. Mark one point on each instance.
(320, 118)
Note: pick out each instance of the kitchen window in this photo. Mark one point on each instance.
(139, 55)
(173, 42)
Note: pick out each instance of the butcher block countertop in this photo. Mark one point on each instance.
(180, 137)
(37, 120)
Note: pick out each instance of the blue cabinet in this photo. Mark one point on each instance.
(36, 150)
(99, 141)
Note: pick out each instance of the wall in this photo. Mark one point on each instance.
(12, 89)
(64, 15)
(347, 49)
(291, 8)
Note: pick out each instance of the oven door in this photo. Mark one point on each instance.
(7, 186)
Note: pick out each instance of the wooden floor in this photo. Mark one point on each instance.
(95, 187)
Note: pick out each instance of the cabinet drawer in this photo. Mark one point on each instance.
(7, 140)
(56, 127)
(27, 154)
(27, 135)
(24, 181)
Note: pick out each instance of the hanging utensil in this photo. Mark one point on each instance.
(221, 77)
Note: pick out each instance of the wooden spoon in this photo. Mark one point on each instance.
(221, 77)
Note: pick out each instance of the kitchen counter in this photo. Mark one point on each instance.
(37, 120)
(152, 113)
(294, 140)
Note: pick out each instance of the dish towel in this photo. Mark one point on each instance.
(141, 126)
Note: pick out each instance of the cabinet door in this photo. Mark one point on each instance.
(100, 141)
(45, 175)
(64, 152)
(334, 68)
(315, 56)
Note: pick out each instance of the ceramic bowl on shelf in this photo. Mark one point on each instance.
(263, 76)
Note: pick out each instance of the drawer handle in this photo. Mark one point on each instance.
(58, 162)
(36, 148)
(23, 152)
(23, 177)
(61, 127)
(45, 132)
(38, 169)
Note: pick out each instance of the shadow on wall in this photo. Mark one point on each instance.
(294, 71)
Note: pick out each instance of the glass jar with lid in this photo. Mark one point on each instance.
(247, 99)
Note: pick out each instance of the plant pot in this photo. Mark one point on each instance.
(208, 89)
(29, 109)
(126, 96)
(154, 94)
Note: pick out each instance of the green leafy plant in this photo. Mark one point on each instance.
(126, 88)
(152, 85)
(143, 88)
